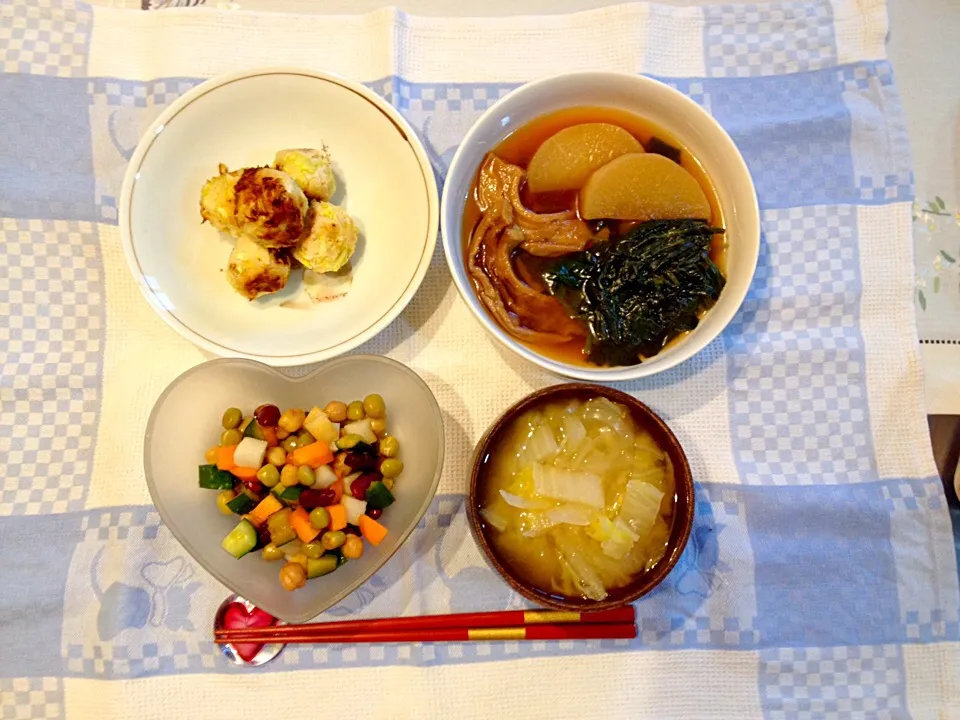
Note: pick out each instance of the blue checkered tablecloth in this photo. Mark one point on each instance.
(821, 578)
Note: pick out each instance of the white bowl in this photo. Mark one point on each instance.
(386, 183)
(661, 105)
(185, 422)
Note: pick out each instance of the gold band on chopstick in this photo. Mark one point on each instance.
(497, 634)
(532, 617)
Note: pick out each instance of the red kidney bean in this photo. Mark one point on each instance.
(263, 536)
(254, 486)
(310, 499)
(359, 487)
(352, 530)
(360, 461)
(267, 415)
(375, 513)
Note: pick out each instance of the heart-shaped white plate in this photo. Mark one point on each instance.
(185, 423)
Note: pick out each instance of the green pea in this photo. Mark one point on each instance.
(319, 518)
(290, 444)
(333, 539)
(230, 437)
(272, 552)
(348, 441)
(306, 475)
(355, 410)
(389, 447)
(312, 550)
(231, 418)
(391, 468)
(268, 475)
(374, 406)
(305, 438)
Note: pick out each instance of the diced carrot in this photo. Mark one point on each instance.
(373, 531)
(315, 454)
(270, 435)
(244, 473)
(267, 507)
(338, 517)
(225, 457)
(337, 488)
(300, 522)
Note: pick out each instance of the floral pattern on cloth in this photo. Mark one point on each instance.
(936, 227)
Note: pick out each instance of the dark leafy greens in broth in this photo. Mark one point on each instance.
(593, 236)
(637, 293)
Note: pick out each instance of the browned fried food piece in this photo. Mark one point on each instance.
(506, 225)
(254, 270)
(270, 207)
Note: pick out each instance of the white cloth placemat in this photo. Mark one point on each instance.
(821, 576)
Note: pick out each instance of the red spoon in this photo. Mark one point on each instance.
(237, 613)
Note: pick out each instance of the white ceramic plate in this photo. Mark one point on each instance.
(663, 106)
(385, 182)
(185, 422)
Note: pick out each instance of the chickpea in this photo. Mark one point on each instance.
(374, 406)
(336, 411)
(271, 552)
(352, 547)
(391, 467)
(211, 456)
(292, 419)
(379, 426)
(282, 434)
(277, 456)
(355, 411)
(293, 576)
(288, 476)
(389, 447)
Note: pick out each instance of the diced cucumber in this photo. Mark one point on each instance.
(253, 430)
(290, 494)
(241, 540)
(213, 478)
(378, 496)
(323, 565)
(242, 504)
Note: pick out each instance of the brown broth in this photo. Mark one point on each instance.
(519, 148)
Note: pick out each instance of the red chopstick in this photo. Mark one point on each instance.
(569, 631)
(510, 618)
